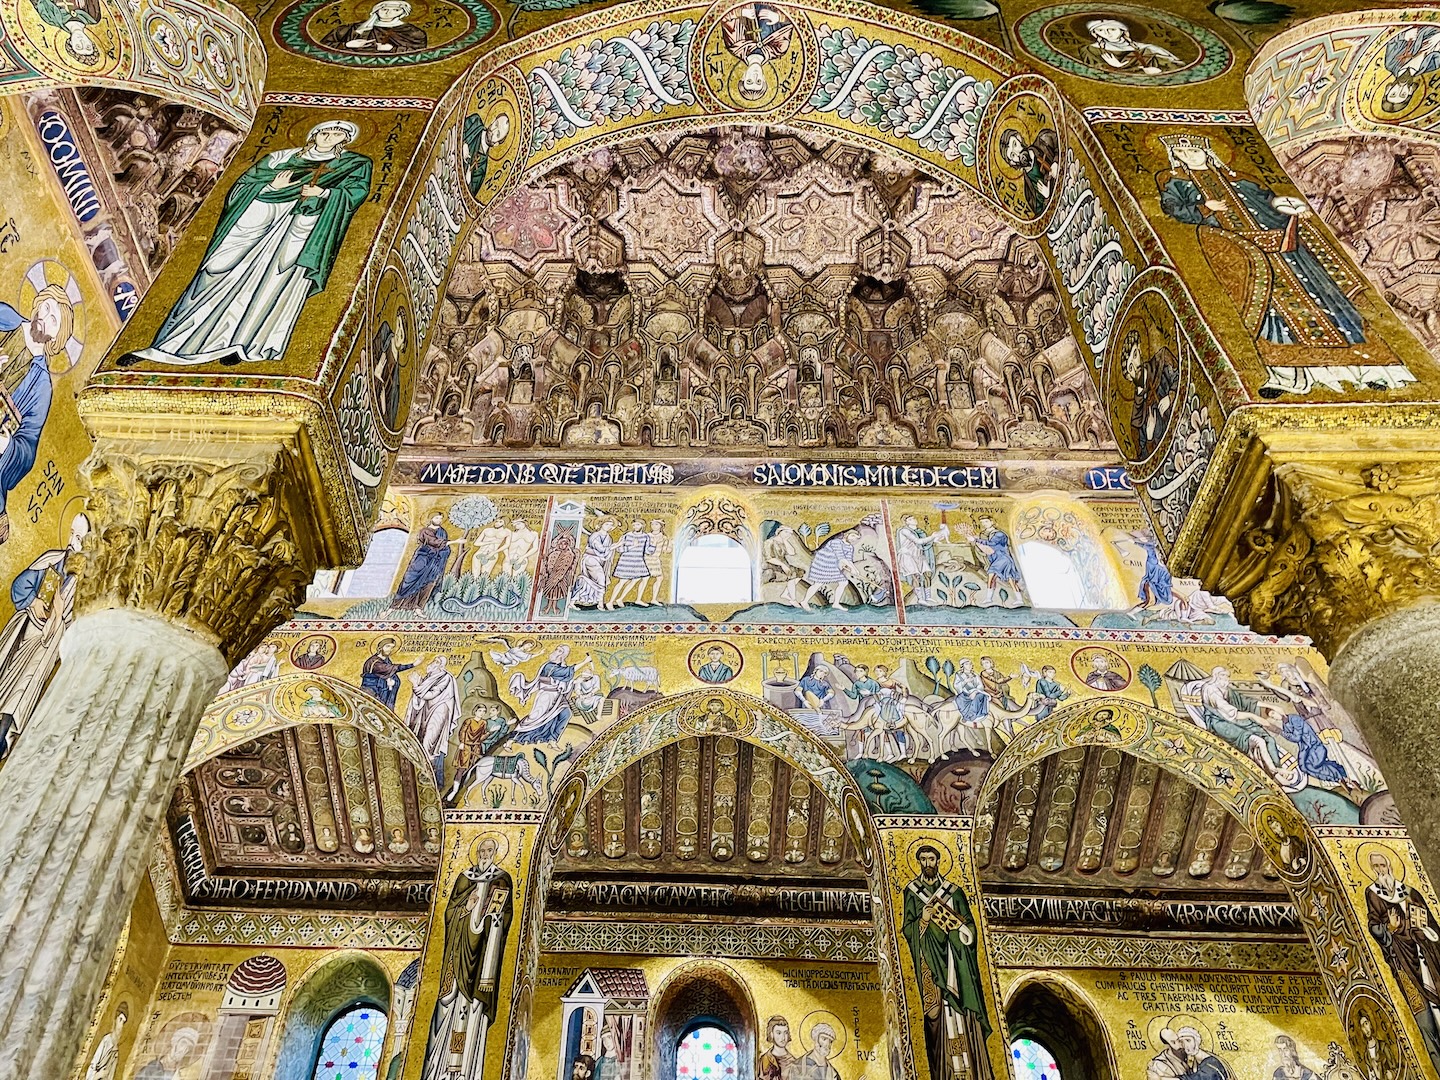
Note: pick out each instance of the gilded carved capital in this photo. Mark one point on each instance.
(203, 535)
(1335, 544)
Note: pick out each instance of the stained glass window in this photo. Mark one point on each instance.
(706, 1053)
(1031, 1061)
(350, 1047)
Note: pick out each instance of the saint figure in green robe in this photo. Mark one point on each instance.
(273, 248)
(940, 931)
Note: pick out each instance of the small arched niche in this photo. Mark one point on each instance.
(704, 1001)
(1060, 1027)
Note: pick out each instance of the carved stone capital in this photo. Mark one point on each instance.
(1335, 544)
(215, 537)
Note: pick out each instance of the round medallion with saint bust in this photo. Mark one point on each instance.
(384, 33)
(1117, 43)
(1145, 376)
(754, 57)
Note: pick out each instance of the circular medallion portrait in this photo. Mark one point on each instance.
(1021, 165)
(492, 140)
(715, 662)
(81, 36)
(1100, 668)
(392, 351)
(754, 57)
(1118, 43)
(1105, 726)
(313, 652)
(1145, 376)
(382, 33)
(1398, 79)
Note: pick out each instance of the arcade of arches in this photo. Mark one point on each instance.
(755, 541)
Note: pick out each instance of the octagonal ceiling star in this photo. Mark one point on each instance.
(957, 228)
(532, 223)
(667, 224)
(814, 227)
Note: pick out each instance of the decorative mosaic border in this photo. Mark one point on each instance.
(347, 101)
(787, 941)
(1170, 116)
(872, 631)
(300, 929)
(1018, 949)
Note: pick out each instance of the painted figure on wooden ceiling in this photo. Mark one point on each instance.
(273, 248)
(1409, 938)
(1409, 57)
(384, 30)
(44, 598)
(940, 930)
(1037, 162)
(756, 34)
(1113, 47)
(380, 674)
(25, 392)
(476, 922)
(1302, 303)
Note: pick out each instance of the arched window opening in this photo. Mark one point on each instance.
(373, 577)
(714, 569)
(350, 1045)
(1063, 559)
(1029, 1060)
(706, 1051)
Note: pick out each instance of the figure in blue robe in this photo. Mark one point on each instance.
(1310, 752)
(1156, 586)
(1303, 303)
(27, 402)
(427, 567)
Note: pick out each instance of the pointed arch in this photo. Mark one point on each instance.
(661, 724)
(324, 992)
(1240, 787)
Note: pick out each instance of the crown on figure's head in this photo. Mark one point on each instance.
(1186, 142)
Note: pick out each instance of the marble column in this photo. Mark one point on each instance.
(84, 792)
(190, 561)
(1387, 675)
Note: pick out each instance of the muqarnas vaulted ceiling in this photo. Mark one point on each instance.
(743, 289)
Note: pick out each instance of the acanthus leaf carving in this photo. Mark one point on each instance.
(211, 544)
(1334, 545)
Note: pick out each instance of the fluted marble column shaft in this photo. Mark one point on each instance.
(97, 764)
(1387, 675)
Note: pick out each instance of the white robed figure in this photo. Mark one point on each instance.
(273, 248)
(477, 921)
(433, 712)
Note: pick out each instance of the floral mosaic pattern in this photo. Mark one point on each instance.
(606, 81)
(900, 91)
(432, 233)
(1173, 488)
(1092, 264)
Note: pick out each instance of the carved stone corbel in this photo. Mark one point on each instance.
(1335, 545)
(207, 537)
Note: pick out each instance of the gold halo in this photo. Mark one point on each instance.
(1371, 847)
(502, 846)
(825, 1016)
(76, 505)
(1174, 1023)
(912, 860)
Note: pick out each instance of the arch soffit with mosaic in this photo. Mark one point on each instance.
(664, 723)
(1074, 998)
(1243, 790)
(1332, 55)
(241, 716)
(204, 53)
